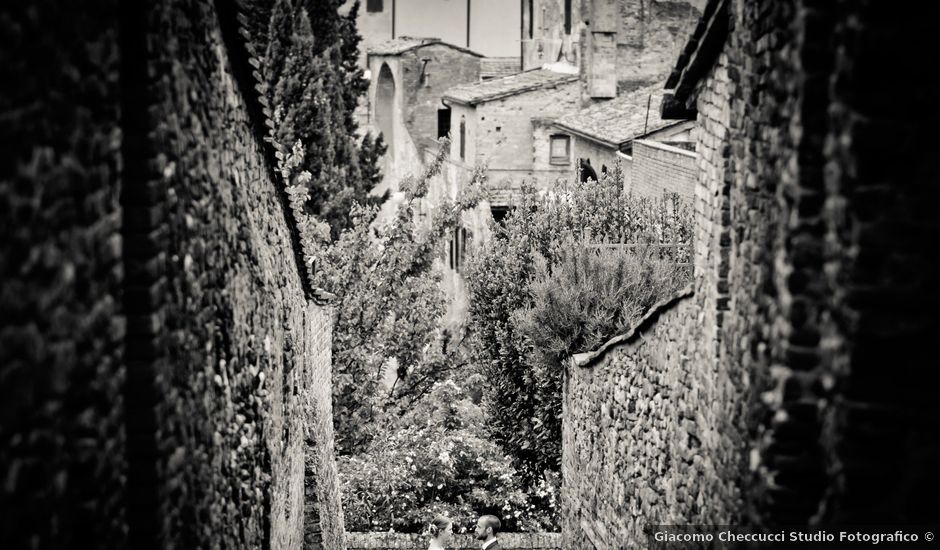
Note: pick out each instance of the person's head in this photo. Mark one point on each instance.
(441, 528)
(487, 527)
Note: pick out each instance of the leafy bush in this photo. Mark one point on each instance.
(508, 286)
(390, 303)
(592, 294)
(438, 458)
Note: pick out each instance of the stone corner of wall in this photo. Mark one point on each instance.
(589, 358)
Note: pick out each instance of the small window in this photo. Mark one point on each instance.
(560, 149)
(499, 213)
(374, 6)
(531, 18)
(463, 139)
(457, 248)
(567, 16)
(443, 123)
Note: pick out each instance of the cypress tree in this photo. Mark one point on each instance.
(314, 82)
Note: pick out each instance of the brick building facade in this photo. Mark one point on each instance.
(787, 386)
(160, 348)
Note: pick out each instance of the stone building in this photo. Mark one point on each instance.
(787, 385)
(500, 123)
(605, 133)
(618, 44)
(164, 360)
(485, 26)
(409, 78)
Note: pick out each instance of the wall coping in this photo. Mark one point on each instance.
(665, 147)
(508, 540)
(587, 359)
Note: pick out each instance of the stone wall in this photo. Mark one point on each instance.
(62, 373)
(811, 276)
(548, 42)
(323, 519)
(659, 168)
(626, 44)
(387, 541)
(445, 68)
(503, 133)
(187, 428)
(652, 432)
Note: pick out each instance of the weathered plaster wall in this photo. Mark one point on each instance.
(598, 154)
(374, 27)
(404, 154)
(548, 42)
(504, 129)
(421, 97)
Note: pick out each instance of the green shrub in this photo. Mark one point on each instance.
(523, 386)
(438, 458)
(592, 294)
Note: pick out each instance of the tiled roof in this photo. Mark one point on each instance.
(495, 67)
(619, 120)
(497, 88)
(404, 44)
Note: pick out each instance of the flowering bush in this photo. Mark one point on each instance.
(438, 458)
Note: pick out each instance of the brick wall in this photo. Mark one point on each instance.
(387, 541)
(651, 432)
(811, 276)
(188, 428)
(659, 168)
(323, 525)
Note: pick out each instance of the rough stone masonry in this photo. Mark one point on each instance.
(162, 360)
(793, 387)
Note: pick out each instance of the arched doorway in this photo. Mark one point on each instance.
(385, 107)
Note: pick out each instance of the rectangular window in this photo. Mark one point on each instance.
(443, 123)
(567, 16)
(499, 213)
(531, 18)
(463, 139)
(560, 149)
(373, 6)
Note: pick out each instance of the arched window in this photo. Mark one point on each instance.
(385, 106)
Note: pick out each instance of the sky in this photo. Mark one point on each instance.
(494, 24)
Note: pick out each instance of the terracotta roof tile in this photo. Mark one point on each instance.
(404, 44)
(619, 120)
(497, 88)
(495, 67)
